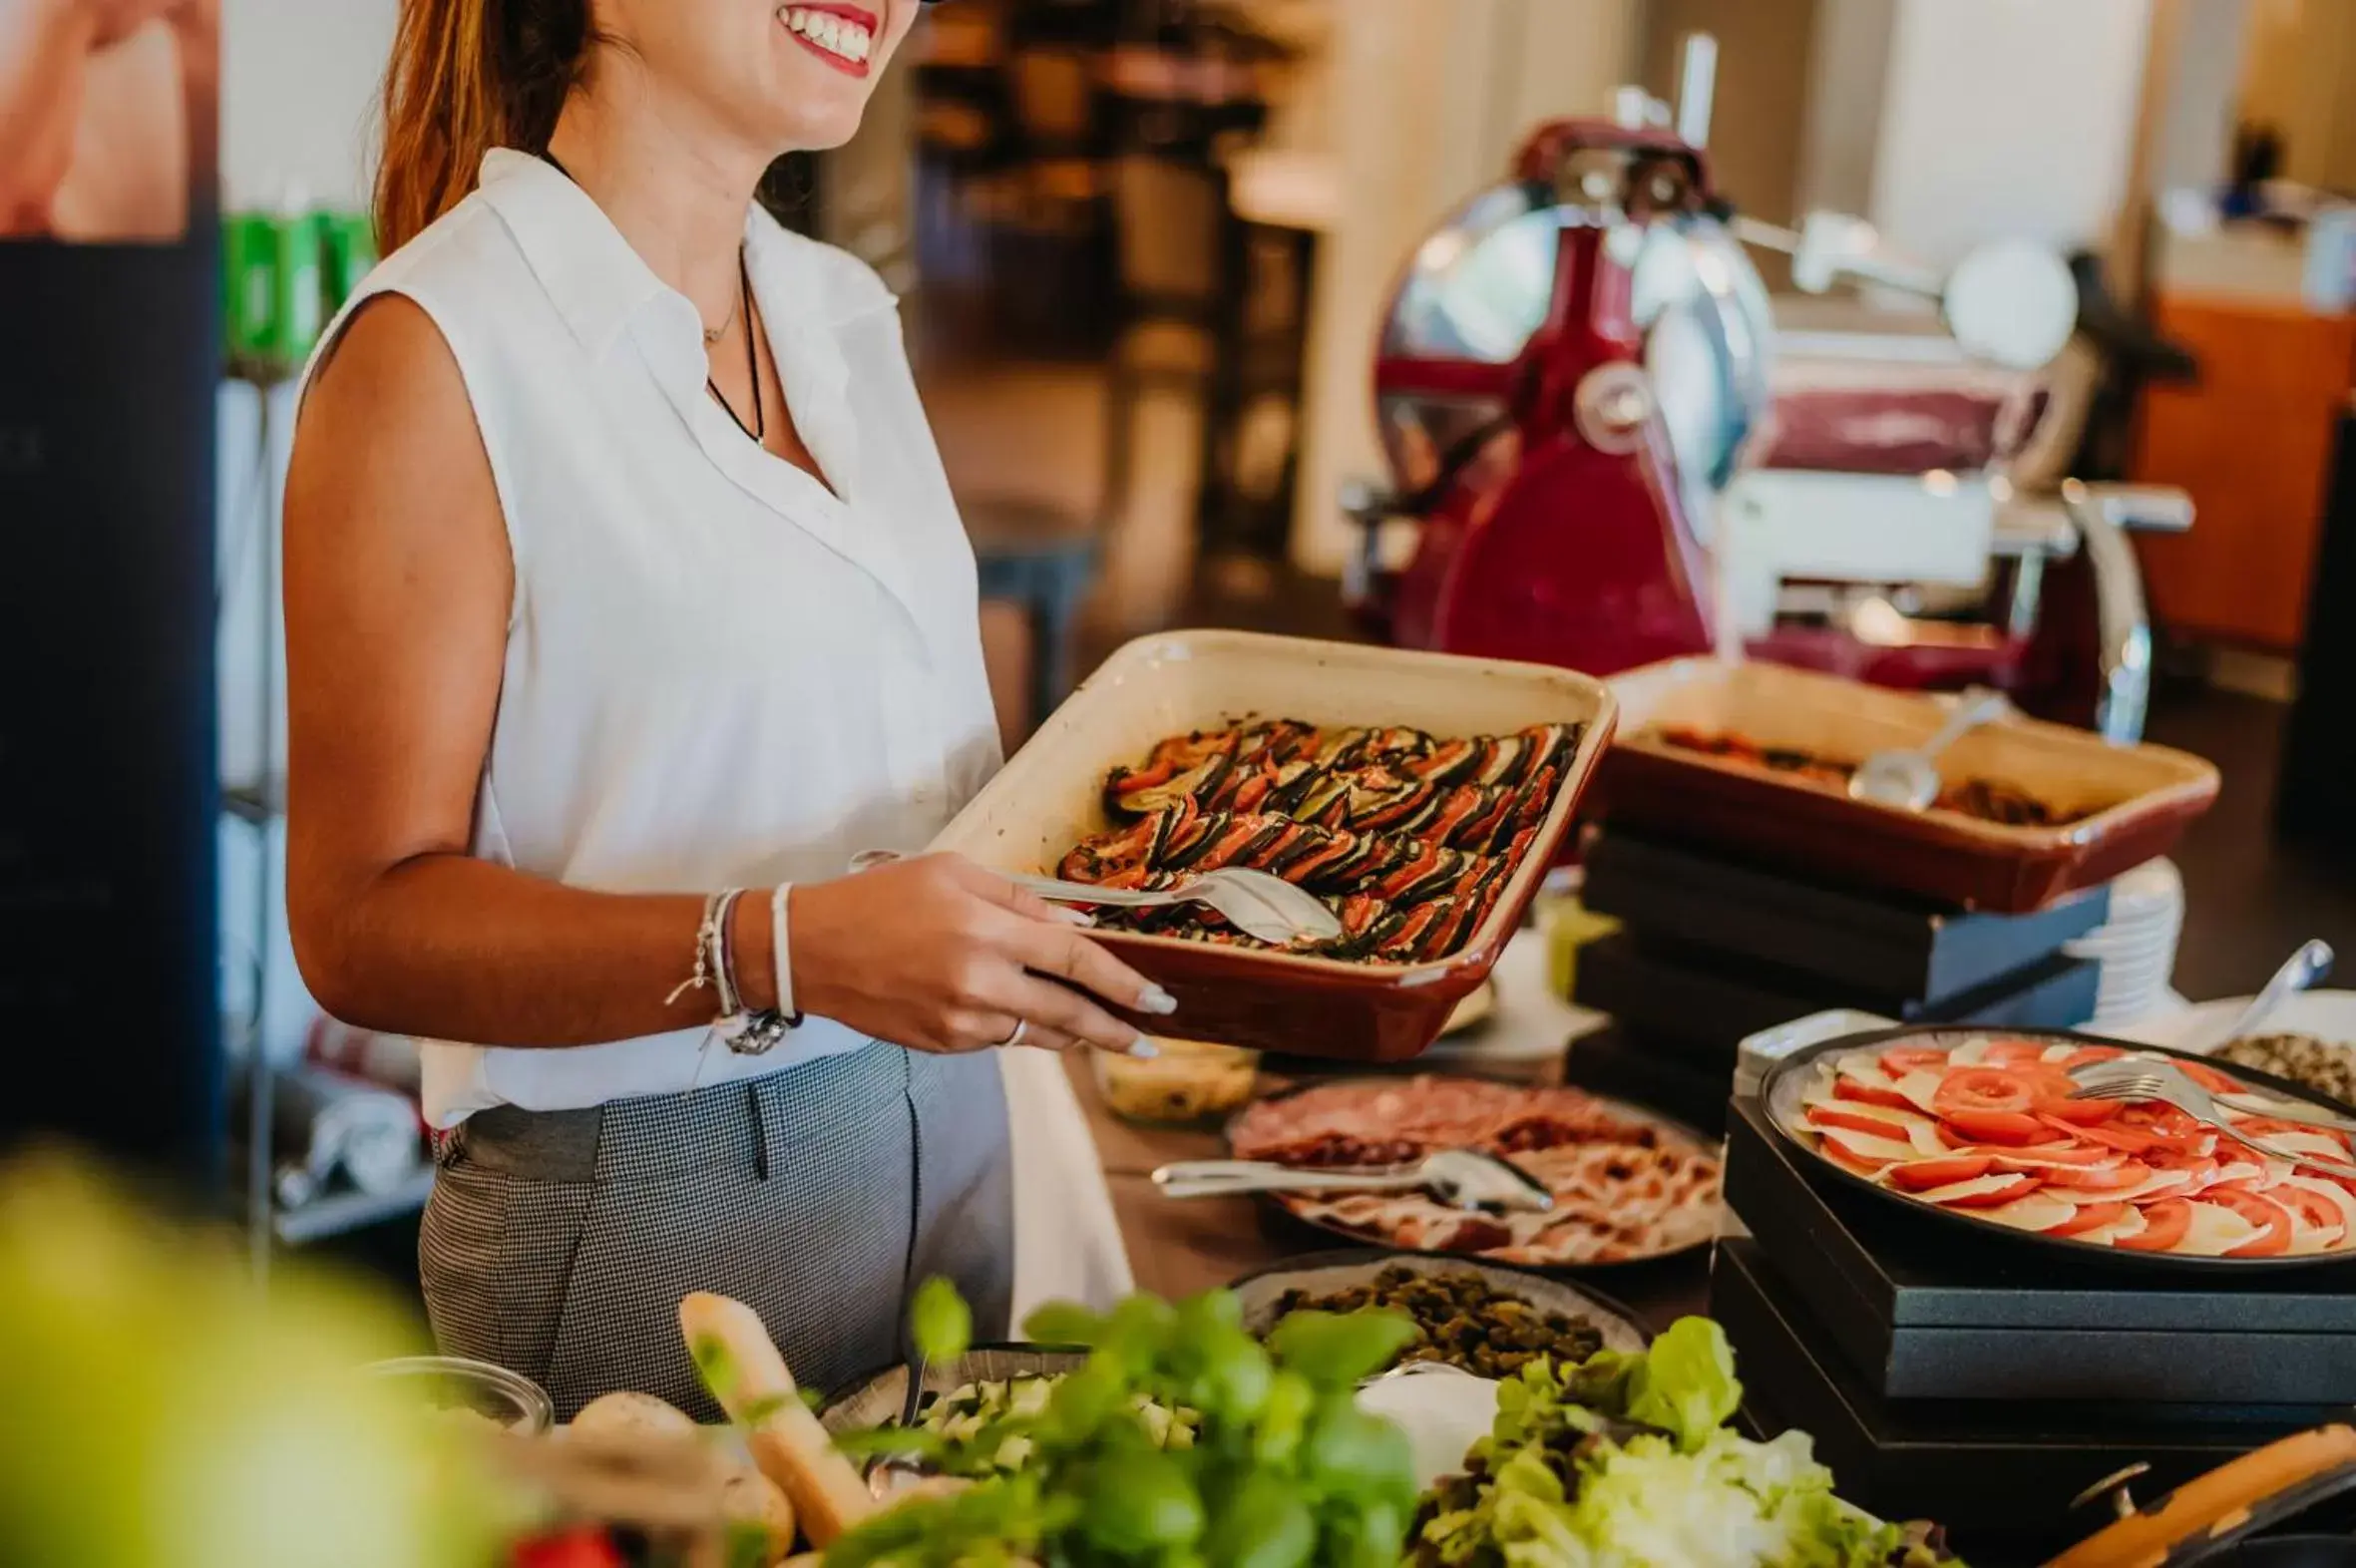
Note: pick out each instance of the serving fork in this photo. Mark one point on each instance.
(2141, 1078)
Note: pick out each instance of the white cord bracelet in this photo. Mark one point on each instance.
(781, 957)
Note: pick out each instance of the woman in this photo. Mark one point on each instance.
(622, 573)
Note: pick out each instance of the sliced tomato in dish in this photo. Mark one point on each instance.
(2101, 1178)
(2271, 1218)
(2164, 1223)
(1938, 1171)
(2310, 1208)
(2014, 1053)
(1864, 1151)
(1991, 1089)
(2008, 1127)
(2126, 1140)
(2166, 1125)
(1864, 1093)
(2091, 1217)
(2052, 1155)
(1989, 1105)
(1899, 1061)
(2053, 1099)
(2088, 1055)
(2277, 1127)
(2208, 1077)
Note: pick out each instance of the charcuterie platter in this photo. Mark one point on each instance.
(1986, 1129)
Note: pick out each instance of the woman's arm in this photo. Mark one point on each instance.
(45, 49)
(398, 586)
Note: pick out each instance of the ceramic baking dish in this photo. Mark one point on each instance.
(2145, 795)
(1050, 796)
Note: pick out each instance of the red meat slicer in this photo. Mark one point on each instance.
(1598, 468)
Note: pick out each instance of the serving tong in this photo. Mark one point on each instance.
(1459, 1178)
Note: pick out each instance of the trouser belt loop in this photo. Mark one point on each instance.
(760, 1126)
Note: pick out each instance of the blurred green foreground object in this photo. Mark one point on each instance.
(161, 1413)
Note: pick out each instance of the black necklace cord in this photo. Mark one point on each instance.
(758, 430)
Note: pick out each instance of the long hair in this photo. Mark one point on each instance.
(467, 76)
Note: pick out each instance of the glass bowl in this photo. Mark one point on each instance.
(1190, 1081)
(477, 1389)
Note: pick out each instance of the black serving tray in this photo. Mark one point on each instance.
(1923, 1310)
(1882, 950)
(1705, 1004)
(1992, 1473)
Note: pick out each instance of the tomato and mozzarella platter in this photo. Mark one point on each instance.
(1986, 1127)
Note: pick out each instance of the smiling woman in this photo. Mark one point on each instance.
(621, 577)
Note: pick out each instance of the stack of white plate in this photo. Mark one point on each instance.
(2137, 947)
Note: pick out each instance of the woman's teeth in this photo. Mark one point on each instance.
(837, 35)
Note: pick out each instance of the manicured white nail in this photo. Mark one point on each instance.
(1158, 1002)
(1144, 1049)
(1072, 917)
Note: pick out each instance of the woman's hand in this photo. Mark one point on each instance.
(938, 954)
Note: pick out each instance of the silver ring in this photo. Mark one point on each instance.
(1021, 1028)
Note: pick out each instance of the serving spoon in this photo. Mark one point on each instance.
(1459, 1178)
(2301, 970)
(1909, 779)
(1255, 903)
(1261, 906)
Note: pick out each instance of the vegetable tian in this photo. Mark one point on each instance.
(1408, 838)
(1984, 800)
(1989, 1128)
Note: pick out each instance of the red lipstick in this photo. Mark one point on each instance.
(853, 16)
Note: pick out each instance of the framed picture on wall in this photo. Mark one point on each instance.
(108, 119)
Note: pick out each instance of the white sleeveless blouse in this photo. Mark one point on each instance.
(719, 671)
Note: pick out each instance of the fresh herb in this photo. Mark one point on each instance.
(940, 1323)
(1277, 1466)
(1625, 1461)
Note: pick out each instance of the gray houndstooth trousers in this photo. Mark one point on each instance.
(557, 1243)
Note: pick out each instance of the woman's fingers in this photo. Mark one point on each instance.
(1065, 953)
(1058, 1009)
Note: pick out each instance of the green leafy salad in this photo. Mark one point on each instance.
(1186, 1442)
(1625, 1460)
(1281, 1469)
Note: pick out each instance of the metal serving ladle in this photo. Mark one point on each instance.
(1909, 779)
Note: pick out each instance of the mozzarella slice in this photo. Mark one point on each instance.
(1971, 1054)
(2214, 1231)
(2159, 1183)
(1866, 1148)
(2036, 1212)
(1920, 1089)
(2316, 1143)
(2131, 1223)
(1920, 1131)
(1957, 1191)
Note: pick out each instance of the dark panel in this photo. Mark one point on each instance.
(107, 780)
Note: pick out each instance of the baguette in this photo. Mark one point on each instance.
(751, 1382)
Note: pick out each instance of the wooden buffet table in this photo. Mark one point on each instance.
(1180, 1249)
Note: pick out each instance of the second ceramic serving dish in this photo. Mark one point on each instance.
(1050, 796)
(2130, 803)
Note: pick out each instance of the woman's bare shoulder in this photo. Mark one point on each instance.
(387, 429)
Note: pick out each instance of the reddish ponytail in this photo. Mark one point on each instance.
(467, 76)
